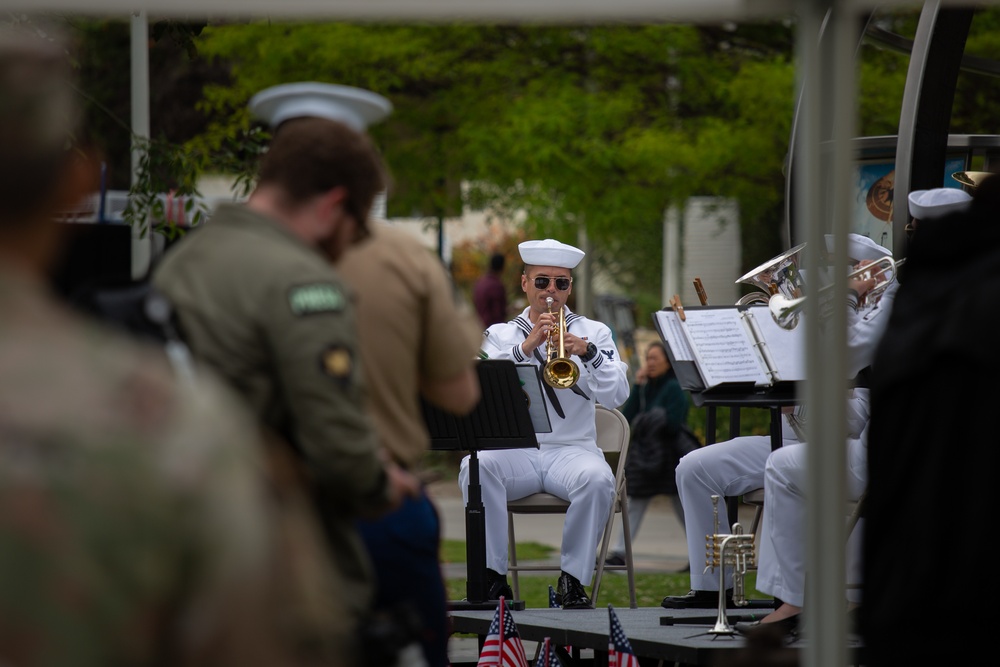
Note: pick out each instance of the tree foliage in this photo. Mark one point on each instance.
(600, 127)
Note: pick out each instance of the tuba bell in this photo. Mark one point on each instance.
(560, 372)
(778, 275)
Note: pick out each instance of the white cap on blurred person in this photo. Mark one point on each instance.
(938, 202)
(550, 253)
(354, 107)
(859, 248)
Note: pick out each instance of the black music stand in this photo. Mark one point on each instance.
(500, 421)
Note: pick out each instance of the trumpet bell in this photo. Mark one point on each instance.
(778, 275)
(561, 373)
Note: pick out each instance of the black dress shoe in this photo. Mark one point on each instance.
(570, 593)
(496, 585)
(697, 600)
(786, 627)
(614, 560)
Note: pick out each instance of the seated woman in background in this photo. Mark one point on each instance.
(657, 410)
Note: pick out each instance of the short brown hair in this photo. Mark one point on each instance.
(309, 156)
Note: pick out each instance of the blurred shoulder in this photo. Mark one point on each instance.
(392, 243)
(105, 387)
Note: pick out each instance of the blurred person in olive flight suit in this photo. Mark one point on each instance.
(415, 341)
(135, 525)
(258, 300)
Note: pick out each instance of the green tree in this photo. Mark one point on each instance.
(601, 127)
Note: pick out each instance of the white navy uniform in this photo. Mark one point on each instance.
(568, 463)
(738, 466)
(782, 564)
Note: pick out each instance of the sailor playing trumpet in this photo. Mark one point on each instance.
(586, 369)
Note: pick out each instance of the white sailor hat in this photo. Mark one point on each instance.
(859, 247)
(938, 202)
(550, 253)
(354, 107)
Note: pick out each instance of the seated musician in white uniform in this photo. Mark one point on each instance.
(736, 466)
(568, 462)
(781, 569)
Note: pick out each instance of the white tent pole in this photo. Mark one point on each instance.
(827, 73)
(141, 243)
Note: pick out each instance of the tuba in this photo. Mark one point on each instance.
(559, 371)
(778, 275)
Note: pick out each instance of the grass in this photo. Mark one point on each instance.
(650, 588)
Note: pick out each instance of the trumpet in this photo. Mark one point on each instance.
(735, 550)
(559, 372)
(785, 311)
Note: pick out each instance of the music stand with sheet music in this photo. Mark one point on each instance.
(501, 420)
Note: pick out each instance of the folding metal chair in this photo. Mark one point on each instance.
(613, 439)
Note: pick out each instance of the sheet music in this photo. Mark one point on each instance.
(730, 344)
(673, 335)
(724, 348)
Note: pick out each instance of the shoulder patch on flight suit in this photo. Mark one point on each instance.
(337, 361)
(315, 298)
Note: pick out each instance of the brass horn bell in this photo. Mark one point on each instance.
(560, 372)
(971, 179)
(778, 275)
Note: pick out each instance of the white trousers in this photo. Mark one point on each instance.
(575, 473)
(781, 569)
(729, 468)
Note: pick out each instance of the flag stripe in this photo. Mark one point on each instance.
(503, 646)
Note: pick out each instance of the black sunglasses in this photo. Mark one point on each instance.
(562, 284)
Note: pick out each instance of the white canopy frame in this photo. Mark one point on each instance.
(823, 173)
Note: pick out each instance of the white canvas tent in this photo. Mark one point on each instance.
(823, 174)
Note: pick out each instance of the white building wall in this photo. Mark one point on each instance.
(710, 234)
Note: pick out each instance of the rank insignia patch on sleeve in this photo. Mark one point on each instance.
(337, 362)
(315, 298)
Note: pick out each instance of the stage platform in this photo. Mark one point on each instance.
(673, 636)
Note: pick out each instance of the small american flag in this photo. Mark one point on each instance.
(548, 657)
(619, 650)
(503, 647)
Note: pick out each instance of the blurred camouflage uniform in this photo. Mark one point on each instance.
(258, 301)
(267, 312)
(136, 526)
